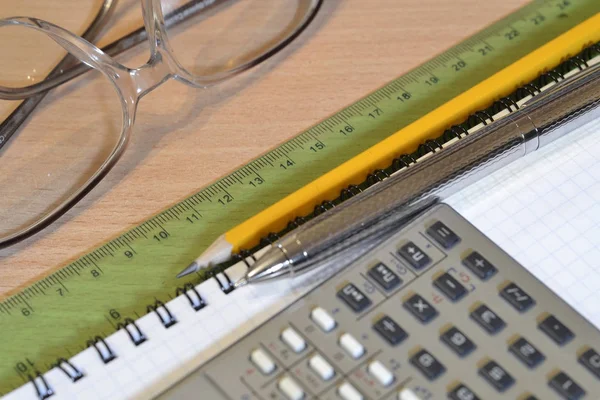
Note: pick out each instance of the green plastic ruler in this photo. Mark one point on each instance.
(56, 316)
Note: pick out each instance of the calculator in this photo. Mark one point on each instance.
(437, 311)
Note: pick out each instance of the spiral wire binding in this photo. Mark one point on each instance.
(508, 103)
(135, 333)
(69, 369)
(165, 317)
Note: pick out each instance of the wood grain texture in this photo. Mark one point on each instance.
(185, 138)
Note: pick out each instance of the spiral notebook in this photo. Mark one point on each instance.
(544, 210)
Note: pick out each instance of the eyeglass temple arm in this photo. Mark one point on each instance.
(181, 14)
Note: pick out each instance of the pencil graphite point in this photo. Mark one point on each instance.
(218, 252)
(190, 269)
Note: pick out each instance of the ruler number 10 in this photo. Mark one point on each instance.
(162, 235)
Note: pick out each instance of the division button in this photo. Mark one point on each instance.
(323, 319)
(293, 340)
(526, 352)
(414, 255)
(408, 394)
(458, 341)
(496, 376)
(448, 285)
(322, 368)
(420, 308)
(427, 364)
(353, 297)
(566, 387)
(262, 361)
(552, 327)
(290, 388)
(384, 277)
(349, 392)
(591, 360)
(443, 235)
(517, 297)
(390, 330)
(487, 319)
(461, 392)
(479, 266)
(383, 375)
(351, 346)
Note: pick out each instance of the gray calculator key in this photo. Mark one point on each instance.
(390, 330)
(462, 392)
(385, 277)
(414, 255)
(566, 387)
(427, 364)
(479, 265)
(487, 319)
(530, 397)
(497, 376)
(452, 288)
(591, 360)
(557, 331)
(443, 235)
(517, 297)
(527, 353)
(354, 298)
(458, 341)
(420, 308)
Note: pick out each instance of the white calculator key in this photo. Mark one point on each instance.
(348, 392)
(323, 319)
(318, 364)
(381, 373)
(290, 388)
(262, 361)
(407, 394)
(351, 345)
(293, 340)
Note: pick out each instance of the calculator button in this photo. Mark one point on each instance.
(566, 387)
(420, 308)
(323, 319)
(385, 277)
(452, 288)
(290, 388)
(428, 364)
(479, 266)
(352, 346)
(443, 235)
(461, 392)
(556, 330)
(262, 361)
(526, 352)
(517, 297)
(321, 367)
(293, 340)
(530, 397)
(496, 376)
(591, 360)
(458, 341)
(414, 255)
(408, 394)
(354, 298)
(488, 320)
(379, 371)
(349, 392)
(390, 330)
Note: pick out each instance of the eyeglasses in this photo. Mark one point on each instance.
(51, 161)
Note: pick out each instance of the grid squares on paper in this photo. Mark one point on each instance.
(544, 210)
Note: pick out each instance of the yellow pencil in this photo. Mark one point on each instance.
(354, 171)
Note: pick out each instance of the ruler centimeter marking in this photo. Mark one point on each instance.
(55, 316)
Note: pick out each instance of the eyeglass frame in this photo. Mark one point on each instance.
(131, 84)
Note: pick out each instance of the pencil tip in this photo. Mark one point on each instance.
(239, 283)
(190, 269)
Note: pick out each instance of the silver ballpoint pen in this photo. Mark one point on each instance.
(364, 218)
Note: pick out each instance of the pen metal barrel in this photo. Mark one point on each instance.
(546, 117)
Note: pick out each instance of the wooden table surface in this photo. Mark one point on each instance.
(185, 138)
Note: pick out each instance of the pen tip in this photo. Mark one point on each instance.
(239, 283)
(190, 269)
